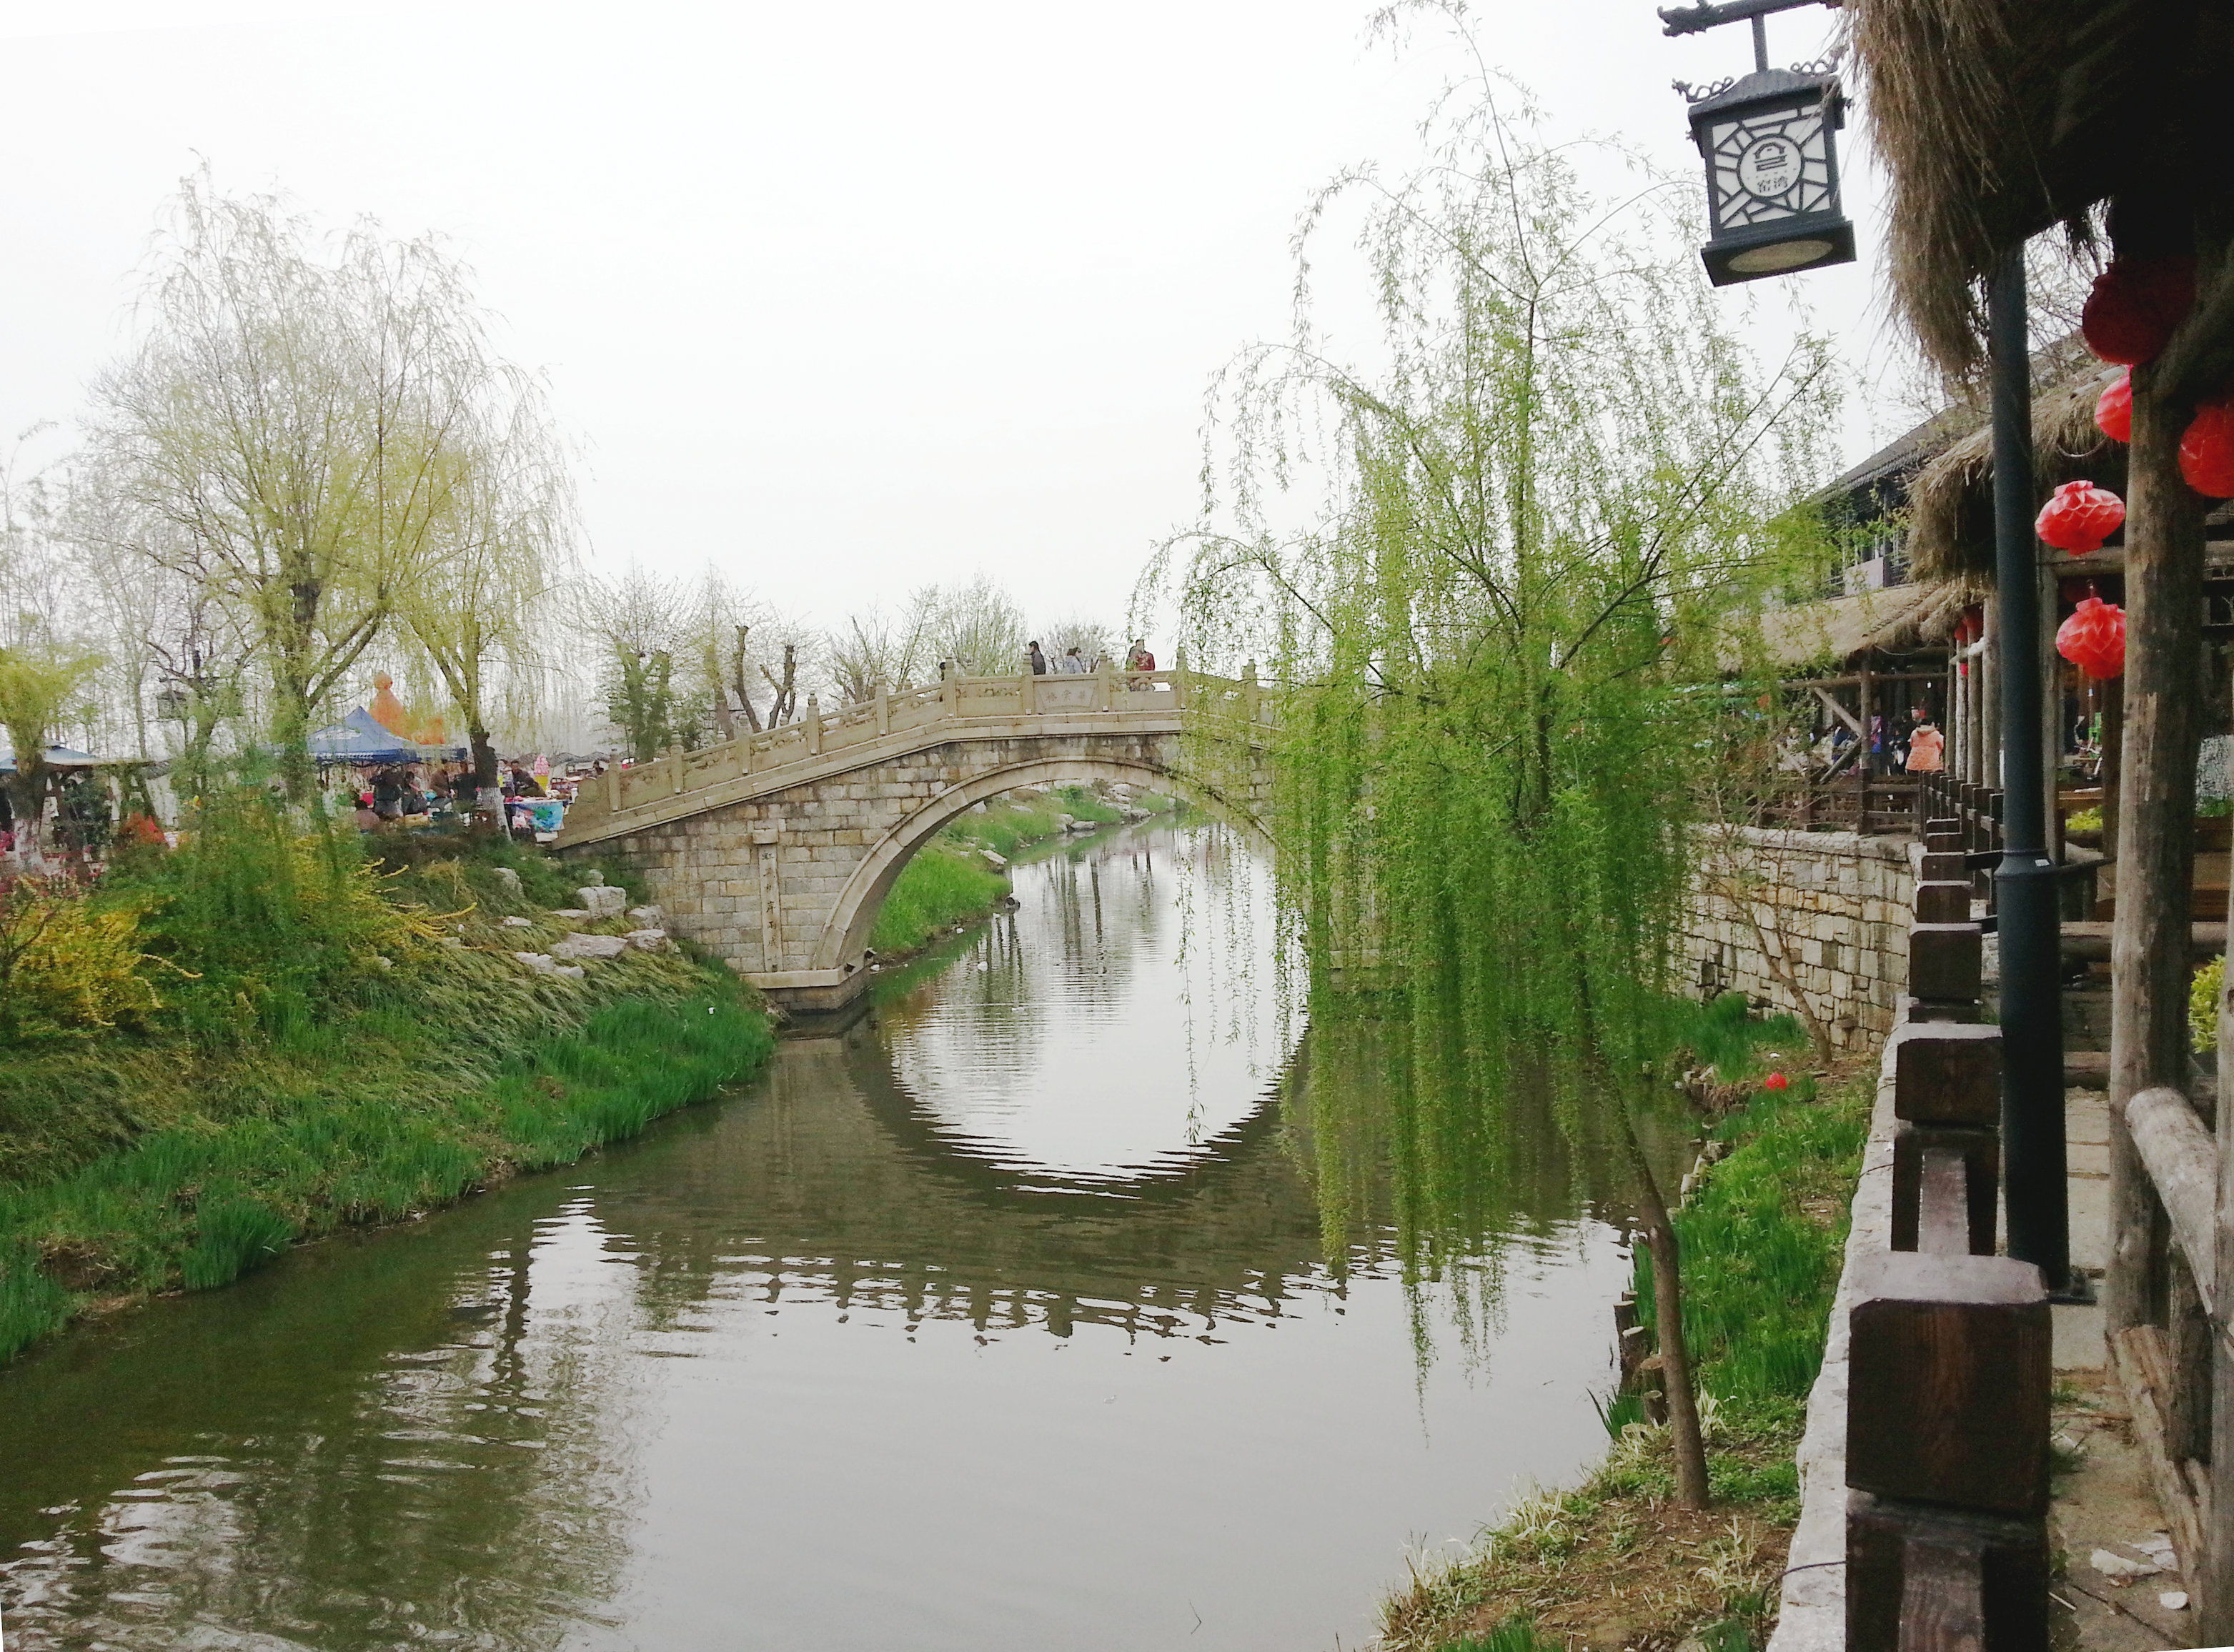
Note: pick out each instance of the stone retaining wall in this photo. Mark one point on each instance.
(1820, 915)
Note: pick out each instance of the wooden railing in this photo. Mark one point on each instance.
(2177, 1366)
(784, 755)
(1949, 1345)
(1870, 803)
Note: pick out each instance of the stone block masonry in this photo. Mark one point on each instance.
(784, 885)
(1812, 923)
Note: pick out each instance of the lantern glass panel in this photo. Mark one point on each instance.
(1773, 164)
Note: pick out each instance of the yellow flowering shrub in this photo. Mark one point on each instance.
(68, 964)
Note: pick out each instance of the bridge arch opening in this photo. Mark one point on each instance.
(845, 939)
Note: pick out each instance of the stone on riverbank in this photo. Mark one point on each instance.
(647, 940)
(590, 946)
(603, 900)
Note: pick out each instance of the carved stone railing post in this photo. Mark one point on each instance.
(1104, 685)
(613, 787)
(1178, 679)
(883, 696)
(814, 726)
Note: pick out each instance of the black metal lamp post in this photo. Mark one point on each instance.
(2029, 925)
(1772, 158)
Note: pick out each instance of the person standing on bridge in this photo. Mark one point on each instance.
(1038, 660)
(1072, 662)
(1141, 661)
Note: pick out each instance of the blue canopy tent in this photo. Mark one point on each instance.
(58, 757)
(358, 738)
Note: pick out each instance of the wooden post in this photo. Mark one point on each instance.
(2150, 937)
(2216, 1619)
(1867, 766)
(2113, 752)
(2051, 706)
(1989, 699)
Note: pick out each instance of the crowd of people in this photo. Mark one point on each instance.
(1075, 659)
(431, 793)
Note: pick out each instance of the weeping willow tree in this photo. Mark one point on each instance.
(1487, 570)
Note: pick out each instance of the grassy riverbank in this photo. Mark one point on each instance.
(1614, 1562)
(951, 881)
(262, 1038)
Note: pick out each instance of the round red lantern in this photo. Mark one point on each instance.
(2079, 517)
(2136, 306)
(2114, 412)
(2093, 639)
(2206, 452)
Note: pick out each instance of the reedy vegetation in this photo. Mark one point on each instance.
(263, 1035)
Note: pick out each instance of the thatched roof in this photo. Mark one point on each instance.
(1998, 119)
(1950, 525)
(1895, 620)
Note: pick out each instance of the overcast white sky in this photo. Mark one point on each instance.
(848, 298)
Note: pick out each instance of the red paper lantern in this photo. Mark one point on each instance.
(2079, 517)
(2114, 412)
(2206, 452)
(2093, 639)
(2136, 306)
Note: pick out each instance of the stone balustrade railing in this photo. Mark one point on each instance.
(824, 742)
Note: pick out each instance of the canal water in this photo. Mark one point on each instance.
(1006, 1319)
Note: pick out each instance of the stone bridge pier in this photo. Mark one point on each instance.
(776, 851)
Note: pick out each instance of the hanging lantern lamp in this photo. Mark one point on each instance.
(2079, 517)
(2093, 639)
(2135, 307)
(1771, 174)
(2114, 412)
(2206, 452)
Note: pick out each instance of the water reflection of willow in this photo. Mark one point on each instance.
(1439, 1175)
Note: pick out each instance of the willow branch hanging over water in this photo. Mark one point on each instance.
(1486, 568)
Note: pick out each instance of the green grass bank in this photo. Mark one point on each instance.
(950, 882)
(1614, 1562)
(264, 1036)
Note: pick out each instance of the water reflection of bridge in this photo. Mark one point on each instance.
(855, 1191)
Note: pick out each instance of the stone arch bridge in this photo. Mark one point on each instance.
(776, 851)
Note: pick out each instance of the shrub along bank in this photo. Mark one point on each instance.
(266, 1036)
(951, 881)
(1616, 1562)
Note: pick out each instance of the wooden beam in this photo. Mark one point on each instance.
(2144, 1374)
(1837, 710)
(2183, 1165)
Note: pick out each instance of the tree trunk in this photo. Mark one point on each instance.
(1684, 1434)
(488, 789)
(2149, 939)
(27, 801)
